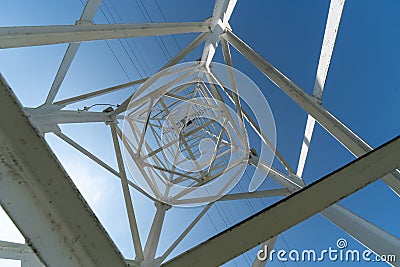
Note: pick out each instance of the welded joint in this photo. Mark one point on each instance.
(46, 118)
(220, 27)
(148, 263)
(217, 28)
(298, 180)
(81, 22)
(113, 121)
(42, 129)
(317, 99)
(162, 205)
(133, 263)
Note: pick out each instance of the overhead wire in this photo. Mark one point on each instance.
(148, 18)
(173, 35)
(215, 227)
(119, 40)
(129, 42)
(165, 20)
(265, 205)
(112, 51)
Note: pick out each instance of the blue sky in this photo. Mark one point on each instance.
(362, 90)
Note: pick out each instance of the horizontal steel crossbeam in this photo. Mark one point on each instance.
(23, 36)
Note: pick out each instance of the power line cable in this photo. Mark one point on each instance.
(131, 43)
(165, 19)
(148, 18)
(119, 40)
(110, 48)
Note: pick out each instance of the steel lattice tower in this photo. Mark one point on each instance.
(147, 126)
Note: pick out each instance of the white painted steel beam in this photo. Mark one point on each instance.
(305, 146)
(228, 61)
(135, 101)
(293, 209)
(89, 11)
(256, 194)
(366, 233)
(222, 12)
(185, 51)
(192, 45)
(257, 129)
(99, 161)
(62, 71)
(334, 126)
(47, 120)
(127, 196)
(22, 252)
(23, 36)
(127, 145)
(153, 239)
(41, 199)
(185, 232)
(100, 92)
(291, 182)
(138, 188)
(86, 152)
(87, 16)
(239, 196)
(369, 235)
(328, 43)
(152, 79)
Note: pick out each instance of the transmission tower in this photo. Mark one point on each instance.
(180, 139)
